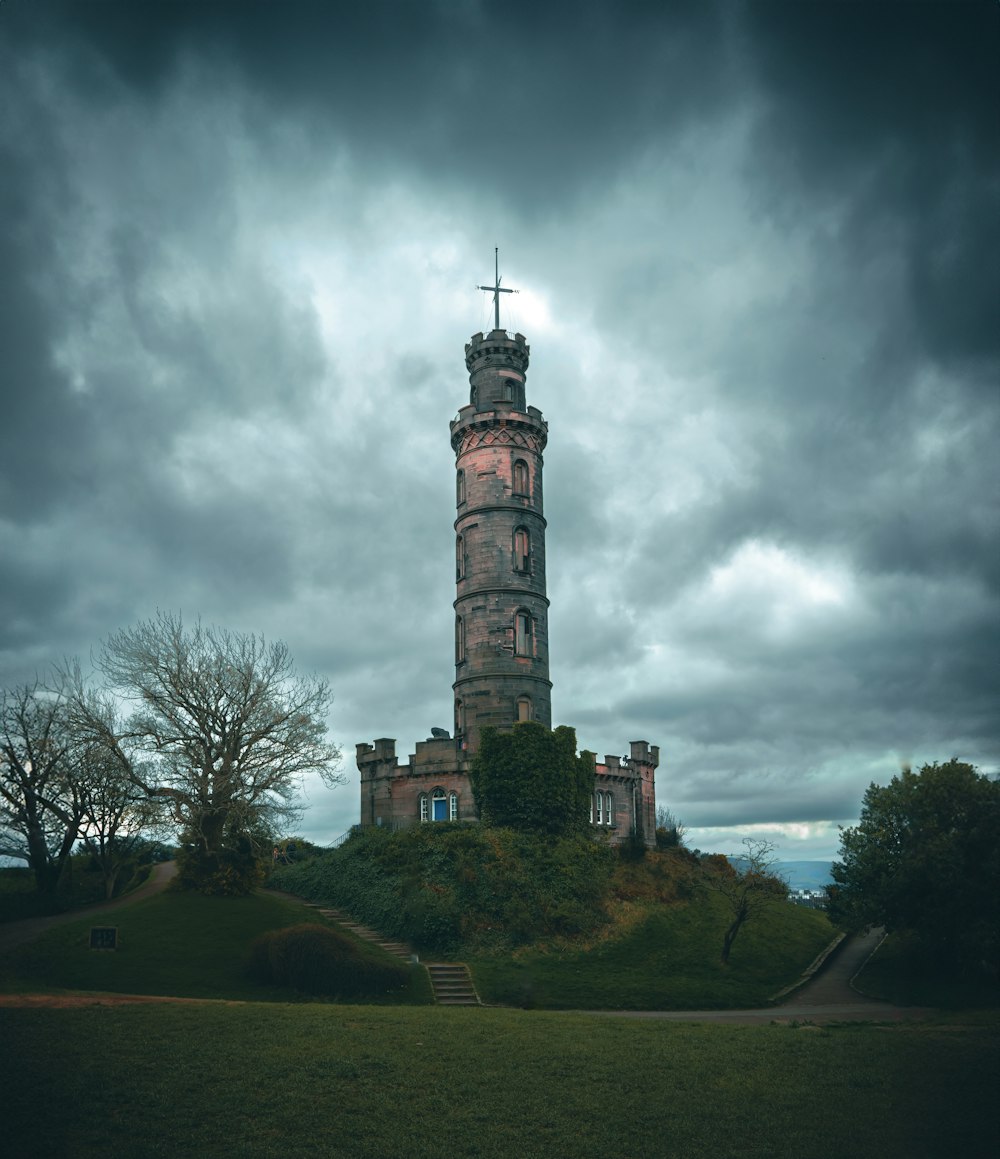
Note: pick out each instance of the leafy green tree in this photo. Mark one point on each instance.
(532, 779)
(925, 857)
(749, 887)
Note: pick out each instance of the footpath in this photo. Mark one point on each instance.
(828, 996)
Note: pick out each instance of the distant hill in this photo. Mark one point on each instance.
(805, 874)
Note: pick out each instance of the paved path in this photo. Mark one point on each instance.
(17, 933)
(828, 997)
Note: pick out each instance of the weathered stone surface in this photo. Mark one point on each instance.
(501, 615)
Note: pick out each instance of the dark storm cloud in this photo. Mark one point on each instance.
(764, 239)
(894, 107)
(561, 92)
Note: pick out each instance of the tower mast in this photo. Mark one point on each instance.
(496, 289)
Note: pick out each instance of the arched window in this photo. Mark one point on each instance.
(453, 806)
(523, 708)
(600, 808)
(439, 806)
(522, 549)
(609, 809)
(423, 807)
(459, 557)
(523, 642)
(460, 487)
(520, 478)
(459, 639)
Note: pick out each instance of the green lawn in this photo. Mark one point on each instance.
(669, 961)
(180, 944)
(270, 1080)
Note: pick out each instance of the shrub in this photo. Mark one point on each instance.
(319, 960)
(453, 887)
(232, 871)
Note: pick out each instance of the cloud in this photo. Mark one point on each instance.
(753, 248)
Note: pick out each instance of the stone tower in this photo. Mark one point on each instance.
(501, 610)
(501, 616)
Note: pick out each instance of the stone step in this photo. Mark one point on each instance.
(452, 984)
(450, 981)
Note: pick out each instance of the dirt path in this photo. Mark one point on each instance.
(14, 934)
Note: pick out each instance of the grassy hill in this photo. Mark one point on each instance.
(562, 924)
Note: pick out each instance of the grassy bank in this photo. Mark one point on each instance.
(667, 960)
(179, 944)
(267, 1080)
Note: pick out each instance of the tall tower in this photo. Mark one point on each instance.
(501, 610)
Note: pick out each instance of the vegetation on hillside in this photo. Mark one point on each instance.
(448, 886)
(531, 779)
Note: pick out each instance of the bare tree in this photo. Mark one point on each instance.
(41, 803)
(669, 831)
(119, 817)
(222, 729)
(748, 888)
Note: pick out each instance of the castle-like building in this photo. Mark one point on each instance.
(501, 617)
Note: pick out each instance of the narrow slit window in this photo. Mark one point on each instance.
(453, 806)
(459, 639)
(459, 557)
(523, 645)
(522, 550)
(460, 487)
(523, 708)
(520, 477)
(423, 807)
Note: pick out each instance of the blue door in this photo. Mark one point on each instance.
(440, 809)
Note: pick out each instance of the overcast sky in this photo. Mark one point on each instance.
(756, 247)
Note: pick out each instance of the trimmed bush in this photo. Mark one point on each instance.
(319, 960)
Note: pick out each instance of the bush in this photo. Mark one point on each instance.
(233, 871)
(319, 960)
(451, 888)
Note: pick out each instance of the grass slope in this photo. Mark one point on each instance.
(668, 960)
(254, 1082)
(179, 944)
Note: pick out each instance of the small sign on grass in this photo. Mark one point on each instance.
(104, 937)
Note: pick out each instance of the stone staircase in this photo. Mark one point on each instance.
(398, 949)
(452, 984)
(451, 981)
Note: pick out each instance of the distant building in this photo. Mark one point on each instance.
(501, 617)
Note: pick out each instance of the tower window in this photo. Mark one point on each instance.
(523, 708)
(459, 558)
(522, 549)
(459, 718)
(523, 643)
(460, 488)
(520, 478)
(459, 639)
